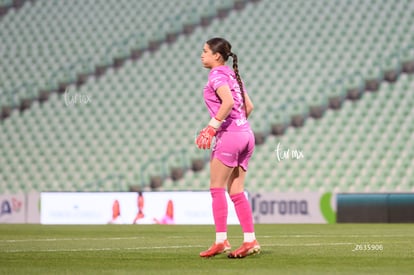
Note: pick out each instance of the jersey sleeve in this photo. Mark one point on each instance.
(218, 78)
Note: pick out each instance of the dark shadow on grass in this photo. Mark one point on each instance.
(222, 257)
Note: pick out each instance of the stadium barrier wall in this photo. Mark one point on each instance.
(20, 208)
(375, 208)
(300, 207)
(186, 208)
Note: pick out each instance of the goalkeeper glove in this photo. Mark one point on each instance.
(206, 135)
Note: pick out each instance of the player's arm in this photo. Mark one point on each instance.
(227, 102)
(206, 135)
(249, 104)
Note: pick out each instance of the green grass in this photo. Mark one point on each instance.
(161, 249)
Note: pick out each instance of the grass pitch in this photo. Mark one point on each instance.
(162, 249)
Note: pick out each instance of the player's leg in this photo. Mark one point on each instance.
(250, 245)
(219, 176)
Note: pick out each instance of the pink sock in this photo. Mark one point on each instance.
(220, 210)
(243, 211)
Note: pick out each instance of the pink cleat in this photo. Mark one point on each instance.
(216, 249)
(246, 249)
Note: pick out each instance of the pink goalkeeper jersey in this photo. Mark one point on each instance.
(220, 76)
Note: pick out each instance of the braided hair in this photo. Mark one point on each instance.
(223, 47)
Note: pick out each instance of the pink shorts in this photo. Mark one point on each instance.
(234, 148)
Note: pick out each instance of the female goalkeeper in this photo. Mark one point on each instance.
(229, 106)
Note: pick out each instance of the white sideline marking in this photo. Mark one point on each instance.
(84, 239)
(101, 249)
(161, 247)
(334, 236)
(72, 239)
(181, 237)
(309, 244)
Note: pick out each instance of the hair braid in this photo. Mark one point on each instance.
(238, 78)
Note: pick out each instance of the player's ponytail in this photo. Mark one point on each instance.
(238, 78)
(223, 47)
